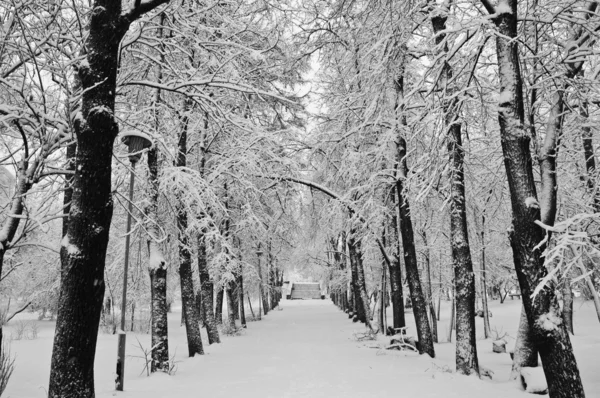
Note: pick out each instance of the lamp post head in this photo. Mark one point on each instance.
(136, 142)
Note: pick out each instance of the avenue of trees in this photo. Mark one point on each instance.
(405, 150)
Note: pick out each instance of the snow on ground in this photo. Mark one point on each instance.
(306, 349)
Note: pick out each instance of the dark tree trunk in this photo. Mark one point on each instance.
(396, 275)
(412, 269)
(464, 278)
(406, 229)
(159, 328)
(234, 297)
(360, 306)
(219, 305)
(68, 193)
(549, 332)
(188, 297)
(484, 298)
(83, 252)
(206, 287)
(525, 354)
(567, 312)
(230, 306)
(432, 317)
(240, 283)
(362, 298)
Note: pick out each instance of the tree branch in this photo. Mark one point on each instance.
(23, 308)
(488, 6)
(140, 9)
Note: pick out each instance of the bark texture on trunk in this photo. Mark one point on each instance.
(188, 296)
(567, 312)
(158, 274)
(543, 314)
(432, 317)
(419, 303)
(464, 278)
(240, 284)
(396, 274)
(83, 250)
(230, 306)
(525, 354)
(206, 287)
(361, 301)
(219, 305)
(484, 297)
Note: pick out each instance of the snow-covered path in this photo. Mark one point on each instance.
(306, 349)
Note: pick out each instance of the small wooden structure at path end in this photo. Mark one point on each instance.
(306, 291)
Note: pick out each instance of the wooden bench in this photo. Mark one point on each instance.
(513, 295)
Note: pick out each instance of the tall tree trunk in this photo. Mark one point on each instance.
(419, 303)
(240, 284)
(360, 306)
(406, 229)
(525, 353)
(206, 287)
(464, 278)
(396, 273)
(361, 296)
(230, 306)
(188, 297)
(567, 312)
(157, 266)
(159, 327)
(84, 246)
(219, 305)
(484, 298)
(429, 293)
(550, 335)
(83, 251)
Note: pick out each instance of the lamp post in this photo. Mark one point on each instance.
(260, 293)
(136, 144)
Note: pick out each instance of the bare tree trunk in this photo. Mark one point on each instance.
(230, 307)
(406, 228)
(83, 251)
(206, 287)
(428, 291)
(525, 354)
(240, 284)
(188, 297)
(381, 312)
(250, 305)
(219, 305)
(464, 278)
(396, 274)
(361, 299)
(484, 298)
(567, 312)
(550, 335)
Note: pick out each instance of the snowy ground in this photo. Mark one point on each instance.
(307, 349)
